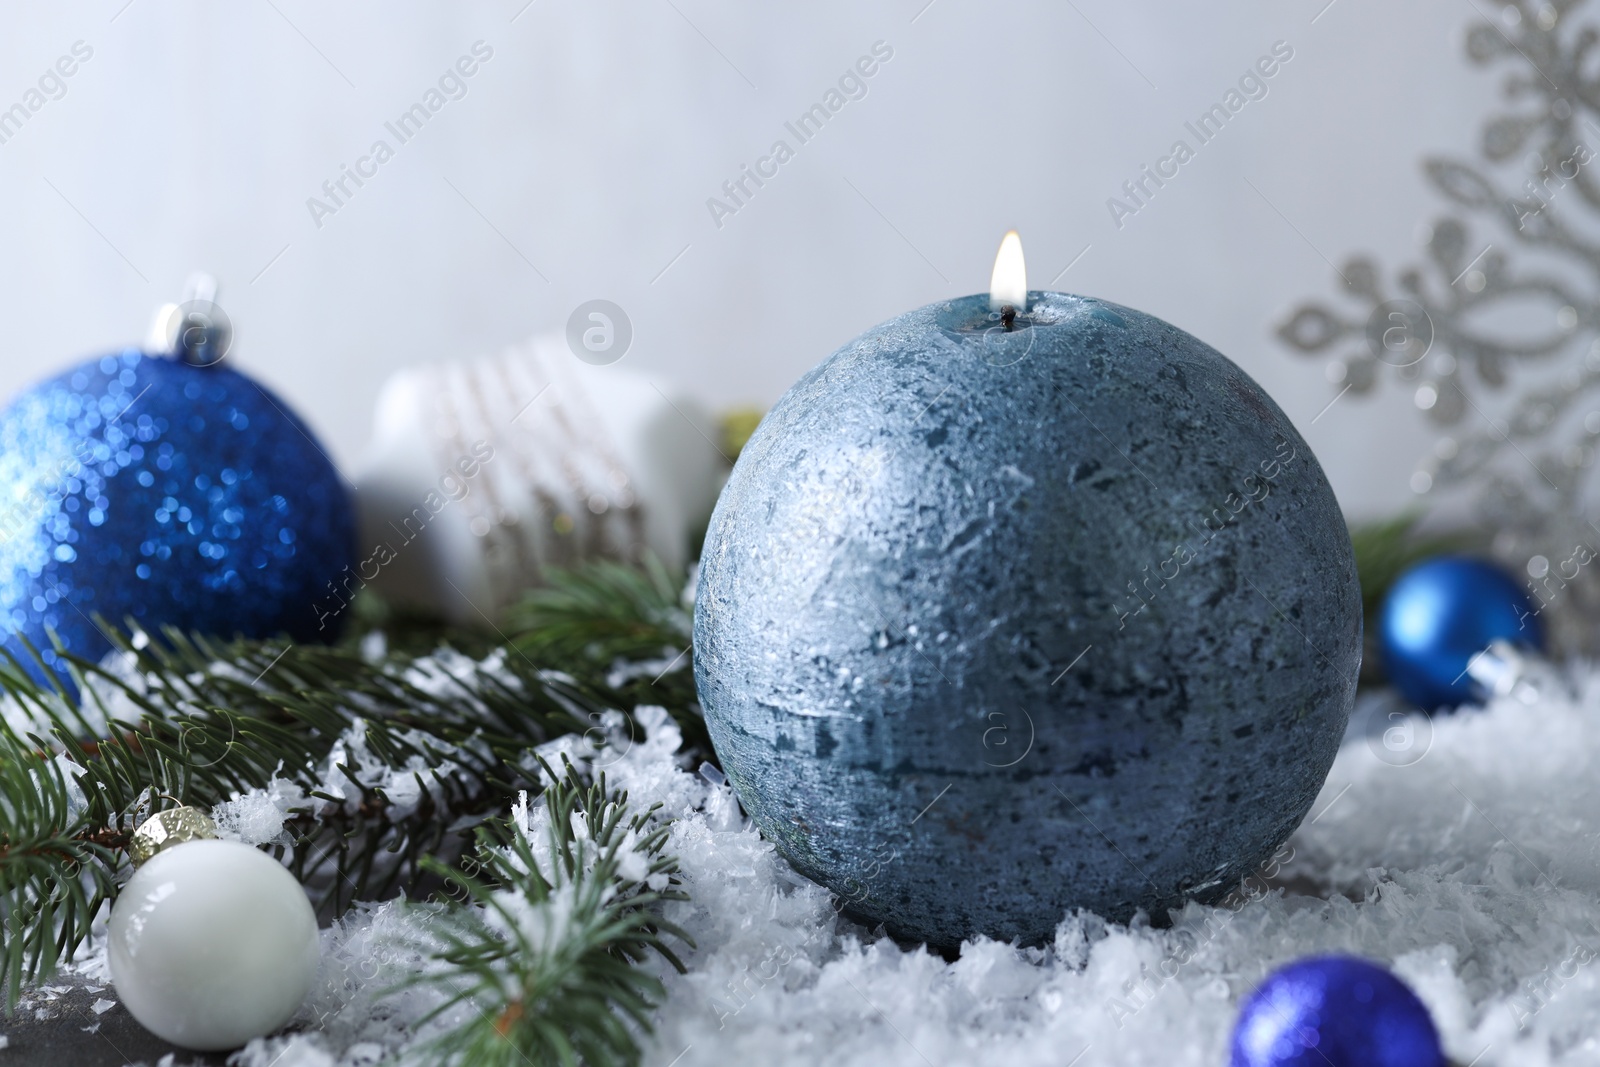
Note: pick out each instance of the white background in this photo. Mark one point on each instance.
(587, 146)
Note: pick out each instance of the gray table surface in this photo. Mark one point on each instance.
(62, 1029)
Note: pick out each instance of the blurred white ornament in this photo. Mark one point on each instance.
(212, 943)
(482, 473)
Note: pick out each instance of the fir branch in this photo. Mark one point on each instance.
(604, 612)
(398, 758)
(560, 911)
(55, 870)
(615, 619)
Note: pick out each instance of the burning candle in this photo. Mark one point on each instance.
(1025, 602)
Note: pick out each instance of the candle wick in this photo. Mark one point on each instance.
(1008, 317)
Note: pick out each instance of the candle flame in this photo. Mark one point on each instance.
(1008, 285)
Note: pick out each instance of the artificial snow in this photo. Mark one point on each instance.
(257, 817)
(1463, 851)
(403, 787)
(624, 671)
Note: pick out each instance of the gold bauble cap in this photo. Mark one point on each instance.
(167, 828)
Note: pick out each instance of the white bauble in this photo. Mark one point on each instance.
(212, 943)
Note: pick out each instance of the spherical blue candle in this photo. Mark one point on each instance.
(173, 493)
(1334, 1011)
(994, 623)
(1438, 615)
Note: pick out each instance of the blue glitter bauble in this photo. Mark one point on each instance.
(146, 486)
(1441, 613)
(1334, 1011)
(992, 625)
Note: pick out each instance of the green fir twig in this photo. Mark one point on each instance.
(190, 720)
(561, 911)
(604, 611)
(605, 616)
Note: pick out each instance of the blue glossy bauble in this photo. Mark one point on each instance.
(1438, 615)
(148, 487)
(994, 624)
(1334, 1011)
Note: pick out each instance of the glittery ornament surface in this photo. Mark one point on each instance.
(142, 486)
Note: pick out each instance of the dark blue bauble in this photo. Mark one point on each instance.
(1334, 1011)
(146, 486)
(996, 624)
(1441, 613)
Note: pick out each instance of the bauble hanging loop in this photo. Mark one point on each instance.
(197, 331)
